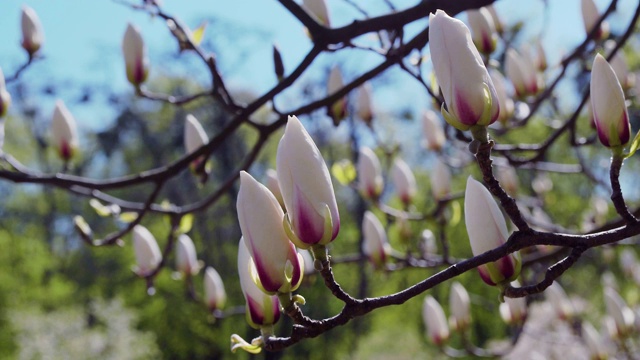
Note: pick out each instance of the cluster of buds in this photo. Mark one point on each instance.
(269, 265)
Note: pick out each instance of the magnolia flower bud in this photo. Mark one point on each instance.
(428, 244)
(370, 182)
(622, 315)
(32, 34)
(278, 267)
(435, 320)
(595, 343)
(338, 110)
(186, 258)
(403, 180)
(194, 135)
(496, 19)
(590, 17)
(365, 109)
(261, 309)
(278, 65)
(559, 300)
(273, 185)
(459, 304)
(318, 10)
(506, 103)
(487, 230)
(483, 30)
(5, 97)
(619, 65)
(135, 56)
(541, 56)
(508, 179)
(513, 311)
(609, 109)
(522, 74)
(434, 138)
(440, 181)
(148, 255)
(466, 86)
(375, 245)
(312, 210)
(214, 294)
(63, 131)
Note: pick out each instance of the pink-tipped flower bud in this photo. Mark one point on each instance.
(619, 65)
(194, 138)
(214, 294)
(434, 138)
(440, 181)
(338, 110)
(523, 74)
(622, 315)
(318, 10)
(468, 91)
(145, 246)
(507, 106)
(307, 190)
(609, 110)
(460, 306)
(370, 182)
(278, 267)
(403, 180)
(135, 56)
(273, 184)
(595, 343)
(261, 309)
(63, 131)
(508, 179)
(375, 245)
(541, 56)
(560, 302)
(435, 321)
(32, 34)
(590, 17)
(513, 311)
(186, 257)
(483, 30)
(487, 230)
(497, 22)
(5, 97)
(365, 106)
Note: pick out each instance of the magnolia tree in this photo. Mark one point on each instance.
(485, 87)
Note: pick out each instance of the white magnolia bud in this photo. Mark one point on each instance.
(148, 255)
(186, 258)
(32, 34)
(214, 293)
(435, 321)
(63, 131)
(403, 180)
(135, 56)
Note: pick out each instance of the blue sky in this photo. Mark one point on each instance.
(82, 39)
